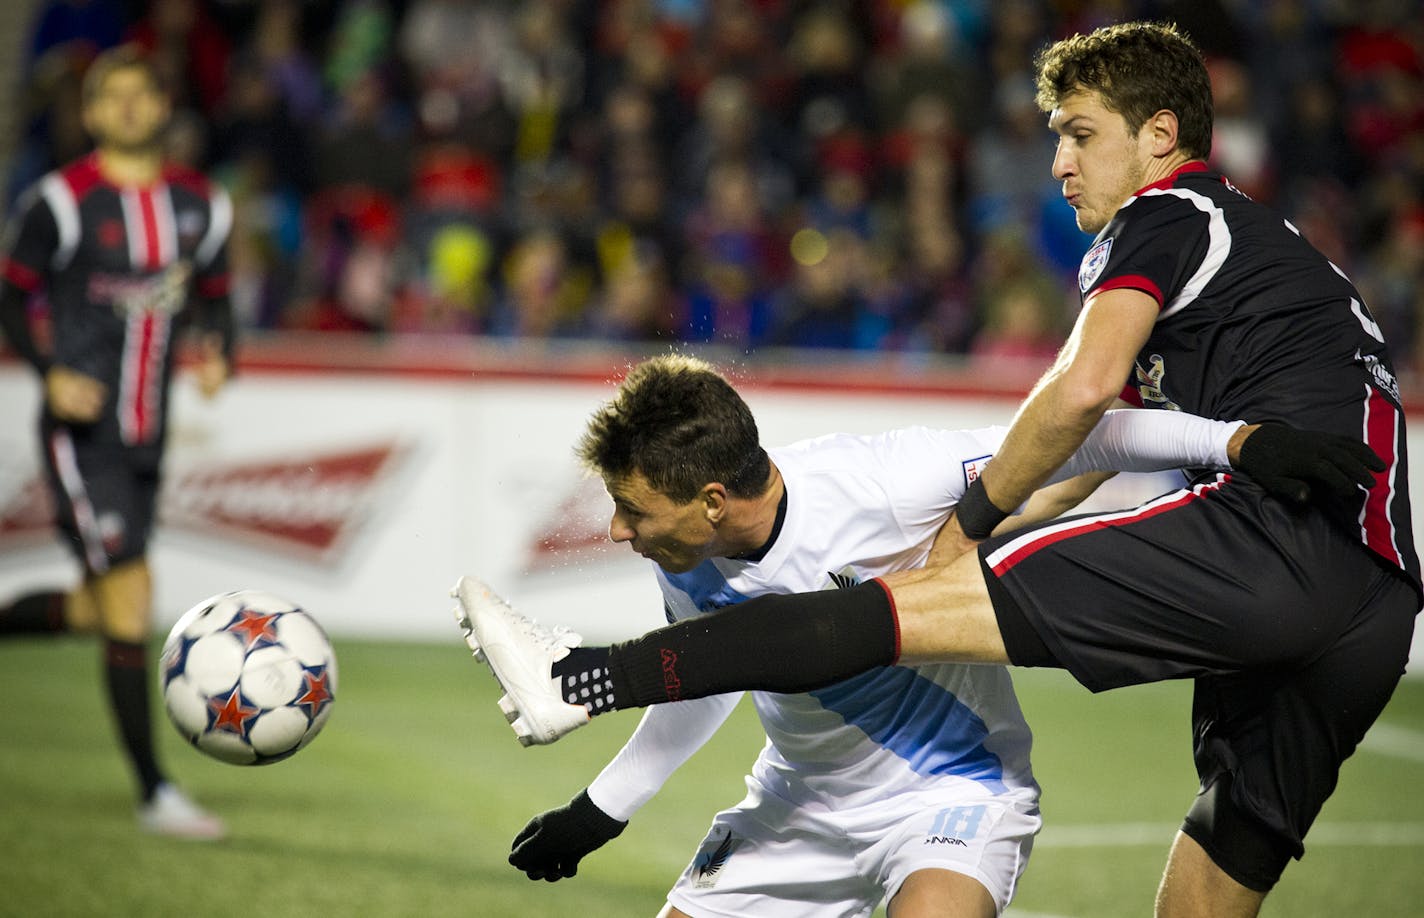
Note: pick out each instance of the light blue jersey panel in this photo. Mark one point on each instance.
(706, 588)
(919, 721)
(857, 508)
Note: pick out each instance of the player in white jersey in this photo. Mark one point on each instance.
(910, 784)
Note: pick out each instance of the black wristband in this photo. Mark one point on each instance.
(976, 513)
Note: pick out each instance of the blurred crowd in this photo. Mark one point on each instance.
(864, 174)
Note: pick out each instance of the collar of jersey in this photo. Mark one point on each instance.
(1194, 165)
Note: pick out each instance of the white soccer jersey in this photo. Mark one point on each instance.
(859, 507)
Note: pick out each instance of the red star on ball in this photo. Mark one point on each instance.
(231, 714)
(316, 694)
(254, 626)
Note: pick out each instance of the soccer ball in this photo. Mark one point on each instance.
(248, 678)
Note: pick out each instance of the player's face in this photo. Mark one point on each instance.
(1098, 161)
(127, 112)
(672, 534)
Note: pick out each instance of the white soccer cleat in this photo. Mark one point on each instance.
(520, 652)
(171, 813)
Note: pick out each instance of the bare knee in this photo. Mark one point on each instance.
(937, 893)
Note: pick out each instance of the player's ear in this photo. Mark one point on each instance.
(1161, 131)
(714, 501)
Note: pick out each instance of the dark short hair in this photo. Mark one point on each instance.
(123, 57)
(676, 420)
(1138, 69)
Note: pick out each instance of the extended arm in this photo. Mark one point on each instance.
(15, 323)
(656, 749)
(1133, 440)
(1073, 395)
(1058, 414)
(552, 844)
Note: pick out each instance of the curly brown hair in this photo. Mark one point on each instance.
(1138, 69)
(676, 420)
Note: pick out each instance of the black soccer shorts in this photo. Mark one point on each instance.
(1295, 633)
(105, 494)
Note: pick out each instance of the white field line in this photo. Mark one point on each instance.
(1160, 835)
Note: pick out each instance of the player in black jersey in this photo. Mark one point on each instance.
(128, 251)
(1287, 589)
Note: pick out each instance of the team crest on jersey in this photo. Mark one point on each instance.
(1093, 264)
(707, 867)
(973, 468)
(843, 579)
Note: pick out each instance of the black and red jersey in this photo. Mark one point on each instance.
(1256, 324)
(119, 266)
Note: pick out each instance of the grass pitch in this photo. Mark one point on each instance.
(406, 804)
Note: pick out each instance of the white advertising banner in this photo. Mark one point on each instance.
(363, 496)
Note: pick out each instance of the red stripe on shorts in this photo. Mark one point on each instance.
(1011, 553)
(1382, 435)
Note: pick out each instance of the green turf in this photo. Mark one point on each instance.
(406, 804)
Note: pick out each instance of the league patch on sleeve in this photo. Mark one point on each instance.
(1093, 264)
(973, 468)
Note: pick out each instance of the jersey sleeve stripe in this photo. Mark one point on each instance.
(219, 225)
(21, 275)
(1011, 553)
(1131, 282)
(215, 286)
(1218, 248)
(62, 203)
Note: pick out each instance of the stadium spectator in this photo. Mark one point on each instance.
(365, 143)
(544, 296)
(1022, 325)
(190, 51)
(637, 302)
(454, 92)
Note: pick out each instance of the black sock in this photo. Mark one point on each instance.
(126, 666)
(786, 643)
(35, 613)
(584, 679)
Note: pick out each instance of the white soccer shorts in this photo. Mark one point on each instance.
(773, 859)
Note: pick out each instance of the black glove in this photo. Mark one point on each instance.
(553, 843)
(1293, 464)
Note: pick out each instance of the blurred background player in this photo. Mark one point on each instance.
(911, 784)
(118, 243)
